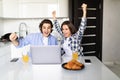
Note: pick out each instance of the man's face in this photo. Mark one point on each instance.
(46, 29)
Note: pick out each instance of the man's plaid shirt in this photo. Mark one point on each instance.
(75, 39)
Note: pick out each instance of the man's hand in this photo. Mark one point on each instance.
(13, 36)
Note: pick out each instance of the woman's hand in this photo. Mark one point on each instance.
(54, 15)
(84, 8)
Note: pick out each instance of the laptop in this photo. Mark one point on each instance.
(45, 54)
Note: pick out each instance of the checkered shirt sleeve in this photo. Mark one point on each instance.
(77, 37)
(58, 28)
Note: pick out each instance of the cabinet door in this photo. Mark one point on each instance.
(43, 8)
(0, 8)
(38, 1)
(92, 38)
(10, 8)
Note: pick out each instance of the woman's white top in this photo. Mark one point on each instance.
(67, 49)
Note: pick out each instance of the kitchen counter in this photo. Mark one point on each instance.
(4, 48)
(3, 44)
(5, 52)
(21, 71)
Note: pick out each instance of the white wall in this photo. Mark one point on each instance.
(111, 31)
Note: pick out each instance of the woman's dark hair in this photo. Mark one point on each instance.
(70, 26)
(46, 21)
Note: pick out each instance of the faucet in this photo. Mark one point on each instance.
(23, 30)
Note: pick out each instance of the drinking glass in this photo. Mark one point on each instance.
(25, 58)
(75, 55)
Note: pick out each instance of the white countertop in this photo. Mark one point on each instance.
(19, 71)
(3, 44)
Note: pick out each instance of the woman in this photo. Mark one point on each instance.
(42, 38)
(71, 39)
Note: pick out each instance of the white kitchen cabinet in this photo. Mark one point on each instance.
(38, 1)
(0, 8)
(10, 8)
(43, 8)
(33, 8)
(5, 54)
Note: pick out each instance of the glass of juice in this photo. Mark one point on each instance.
(75, 55)
(25, 58)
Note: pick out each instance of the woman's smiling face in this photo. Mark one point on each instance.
(66, 31)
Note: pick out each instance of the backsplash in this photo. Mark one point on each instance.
(1, 27)
(12, 25)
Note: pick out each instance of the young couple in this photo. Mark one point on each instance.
(71, 38)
